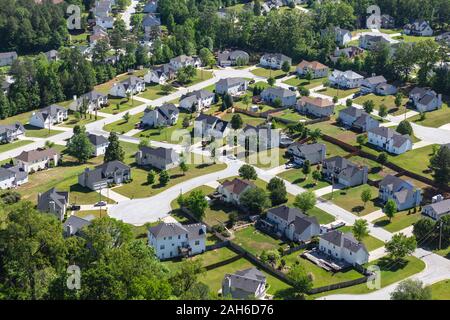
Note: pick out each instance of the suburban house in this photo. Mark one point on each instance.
(357, 119)
(93, 39)
(292, 223)
(340, 170)
(173, 239)
(93, 100)
(444, 38)
(385, 89)
(314, 152)
(274, 60)
(160, 158)
(101, 12)
(150, 7)
(403, 192)
(244, 284)
(197, 100)
(286, 97)
(230, 191)
(207, 126)
(387, 21)
(132, 85)
(12, 176)
(184, 61)
(152, 26)
(349, 52)
(100, 144)
(160, 75)
(315, 68)
(438, 208)
(389, 140)
(232, 58)
(35, 160)
(425, 99)
(343, 246)
(261, 137)
(418, 28)
(52, 55)
(370, 41)
(7, 58)
(347, 79)
(341, 36)
(73, 226)
(318, 107)
(113, 172)
(47, 116)
(54, 202)
(11, 132)
(368, 85)
(232, 86)
(165, 115)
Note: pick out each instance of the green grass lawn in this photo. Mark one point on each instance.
(71, 122)
(246, 119)
(214, 256)
(255, 241)
(121, 126)
(322, 216)
(416, 160)
(13, 145)
(90, 213)
(400, 221)
(267, 159)
(267, 73)
(295, 82)
(332, 149)
(139, 188)
(172, 134)
(297, 177)
(388, 101)
(408, 38)
(376, 171)
(370, 242)
(390, 273)
(332, 129)
(35, 132)
(390, 31)
(122, 104)
(152, 92)
(445, 252)
(440, 290)
(23, 118)
(435, 118)
(350, 200)
(340, 93)
(289, 114)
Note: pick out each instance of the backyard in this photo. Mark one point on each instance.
(295, 82)
(400, 221)
(297, 177)
(388, 101)
(435, 118)
(340, 93)
(269, 73)
(255, 241)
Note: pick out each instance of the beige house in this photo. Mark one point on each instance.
(36, 160)
(231, 191)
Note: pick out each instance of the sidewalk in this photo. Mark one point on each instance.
(110, 194)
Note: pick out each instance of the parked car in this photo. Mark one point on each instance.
(289, 165)
(293, 89)
(232, 157)
(100, 204)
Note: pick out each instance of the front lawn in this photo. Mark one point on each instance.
(295, 82)
(117, 105)
(246, 119)
(23, 118)
(255, 241)
(376, 171)
(171, 134)
(72, 122)
(435, 118)
(400, 221)
(350, 200)
(121, 126)
(268, 73)
(370, 242)
(152, 92)
(333, 150)
(388, 101)
(296, 176)
(13, 145)
(35, 132)
(340, 93)
(407, 38)
(440, 290)
(322, 216)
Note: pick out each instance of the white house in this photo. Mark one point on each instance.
(438, 207)
(341, 36)
(343, 246)
(389, 140)
(232, 86)
(210, 126)
(370, 41)
(274, 60)
(403, 192)
(347, 79)
(170, 240)
(418, 28)
(232, 58)
(425, 99)
(11, 132)
(160, 75)
(199, 99)
(184, 61)
(12, 176)
(100, 144)
(315, 68)
(35, 160)
(133, 85)
(244, 284)
(286, 97)
(50, 115)
(318, 107)
(370, 84)
(165, 115)
(93, 100)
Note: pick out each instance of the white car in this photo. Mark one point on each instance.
(290, 165)
(232, 157)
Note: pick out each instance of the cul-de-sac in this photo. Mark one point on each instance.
(225, 149)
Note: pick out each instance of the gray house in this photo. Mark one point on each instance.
(425, 99)
(403, 192)
(274, 60)
(54, 202)
(152, 26)
(368, 85)
(232, 58)
(92, 100)
(292, 223)
(100, 144)
(160, 158)
(11, 132)
(358, 119)
(232, 86)
(165, 115)
(207, 126)
(197, 100)
(258, 138)
(438, 208)
(113, 172)
(314, 153)
(244, 284)
(318, 107)
(340, 170)
(287, 97)
(7, 58)
(73, 226)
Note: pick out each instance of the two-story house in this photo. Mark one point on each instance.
(36, 160)
(47, 116)
(357, 119)
(438, 207)
(232, 86)
(418, 28)
(343, 246)
(232, 58)
(244, 284)
(160, 158)
(165, 115)
(104, 175)
(389, 140)
(425, 99)
(132, 86)
(160, 75)
(340, 170)
(231, 191)
(345, 79)
(11, 132)
(403, 192)
(197, 100)
(315, 106)
(315, 68)
(286, 97)
(301, 152)
(91, 101)
(206, 126)
(184, 61)
(54, 202)
(274, 60)
(100, 144)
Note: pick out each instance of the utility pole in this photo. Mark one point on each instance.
(440, 234)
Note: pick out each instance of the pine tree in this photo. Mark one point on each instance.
(114, 150)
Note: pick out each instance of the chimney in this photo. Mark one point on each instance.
(74, 97)
(69, 230)
(437, 198)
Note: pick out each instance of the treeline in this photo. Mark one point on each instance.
(27, 27)
(112, 263)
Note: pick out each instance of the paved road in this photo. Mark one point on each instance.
(126, 15)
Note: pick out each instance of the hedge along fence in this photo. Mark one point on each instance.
(339, 285)
(306, 122)
(223, 263)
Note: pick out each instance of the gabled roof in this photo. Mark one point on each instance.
(167, 110)
(315, 65)
(36, 155)
(305, 148)
(165, 154)
(345, 240)
(50, 111)
(247, 280)
(97, 140)
(192, 231)
(352, 112)
(60, 198)
(150, 20)
(11, 128)
(376, 80)
(237, 186)
(278, 92)
(316, 101)
(231, 82)
(395, 184)
(76, 224)
(440, 207)
(277, 56)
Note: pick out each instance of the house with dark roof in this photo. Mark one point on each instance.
(341, 36)
(160, 74)
(104, 175)
(92, 101)
(340, 170)
(403, 192)
(244, 284)
(357, 119)
(152, 26)
(197, 100)
(183, 61)
(349, 52)
(387, 22)
(132, 85)
(425, 99)
(53, 202)
(7, 58)
(293, 224)
(287, 97)
(314, 153)
(165, 115)
(12, 176)
(232, 86)
(231, 191)
(73, 226)
(370, 41)
(160, 158)
(232, 58)
(150, 7)
(51, 115)
(210, 126)
(100, 144)
(52, 55)
(36, 160)
(11, 132)
(316, 106)
(389, 140)
(418, 28)
(315, 68)
(274, 60)
(369, 84)
(438, 208)
(343, 246)
(170, 240)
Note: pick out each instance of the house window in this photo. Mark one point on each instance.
(162, 247)
(197, 242)
(170, 238)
